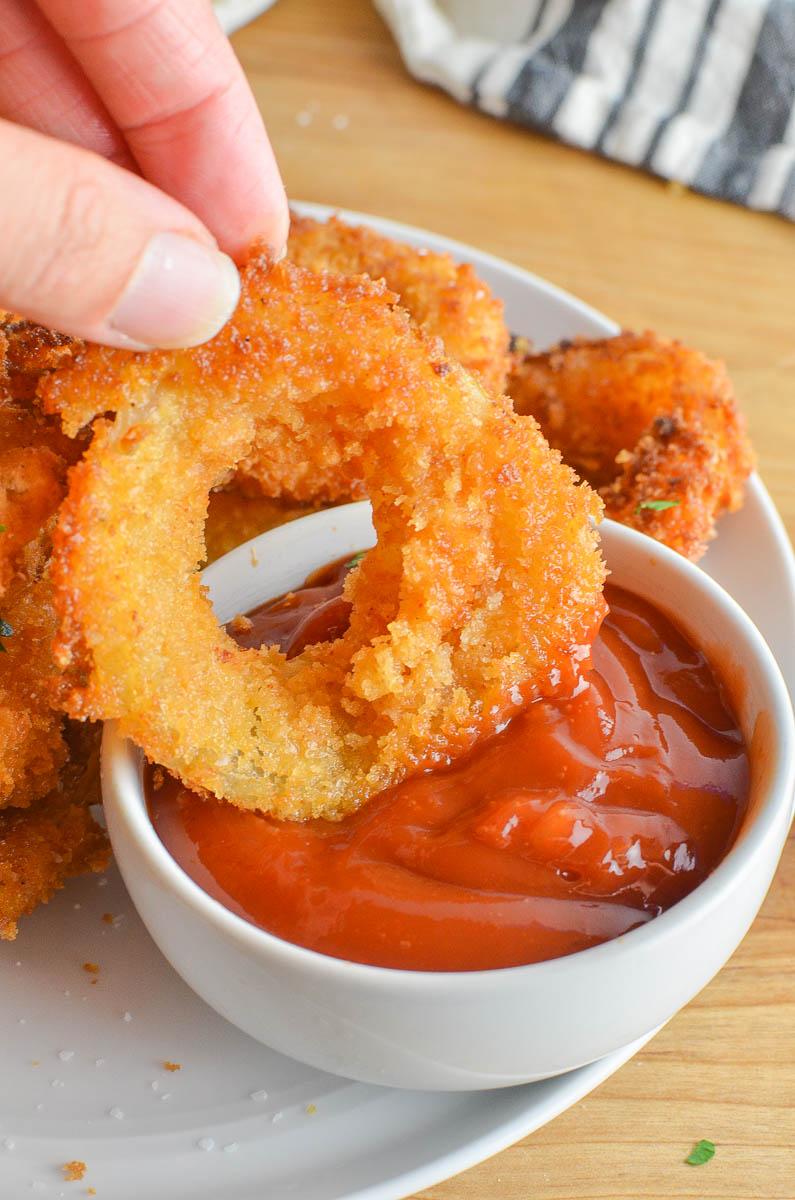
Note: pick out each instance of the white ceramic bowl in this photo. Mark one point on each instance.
(479, 1029)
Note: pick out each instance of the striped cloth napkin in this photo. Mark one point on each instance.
(698, 91)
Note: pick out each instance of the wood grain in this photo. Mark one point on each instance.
(351, 128)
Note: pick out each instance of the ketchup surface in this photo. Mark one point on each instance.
(582, 819)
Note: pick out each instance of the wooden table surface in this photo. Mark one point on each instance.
(352, 128)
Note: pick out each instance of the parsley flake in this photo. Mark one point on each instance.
(657, 505)
(702, 1152)
(357, 558)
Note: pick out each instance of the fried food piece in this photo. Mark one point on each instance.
(34, 456)
(54, 838)
(446, 300)
(484, 591)
(32, 748)
(653, 426)
(48, 766)
(29, 351)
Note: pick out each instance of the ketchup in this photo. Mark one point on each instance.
(584, 818)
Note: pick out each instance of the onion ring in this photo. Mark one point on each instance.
(446, 299)
(483, 592)
(653, 426)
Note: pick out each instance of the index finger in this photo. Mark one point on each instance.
(170, 79)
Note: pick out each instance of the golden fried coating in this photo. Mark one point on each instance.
(34, 455)
(48, 775)
(32, 749)
(446, 300)
(653, 426)
(54, 838)
(29, 351)
(484, 589)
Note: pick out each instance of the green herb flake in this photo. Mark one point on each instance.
(2, 528)
(5, 628)
(657, 505)
(702, 1152)
(357, 558)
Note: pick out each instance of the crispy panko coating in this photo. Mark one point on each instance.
(54, 838)
(485, 588)
(32, 748)
(34, 456)
(48, 775)
(645, 421)
(446, 300)
(29, 351)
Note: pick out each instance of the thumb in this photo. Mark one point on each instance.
(94, 251)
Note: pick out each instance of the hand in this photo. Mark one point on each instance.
(132, 154)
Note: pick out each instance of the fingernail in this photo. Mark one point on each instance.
(180, 294)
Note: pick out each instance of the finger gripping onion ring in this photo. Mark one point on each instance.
(482, 592)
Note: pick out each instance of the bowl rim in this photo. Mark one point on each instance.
(122, 765)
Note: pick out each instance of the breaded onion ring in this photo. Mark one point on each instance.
(653, 426)
(55, 837)
(445, 299)
(484, 589)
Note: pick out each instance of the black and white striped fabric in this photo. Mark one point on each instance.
(698, 91)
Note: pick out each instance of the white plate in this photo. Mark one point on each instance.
(81, 1063)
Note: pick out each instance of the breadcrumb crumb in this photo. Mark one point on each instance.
(74, 1170)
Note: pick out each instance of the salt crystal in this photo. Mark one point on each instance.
(260, 1095)
(22, 1021)
(116, 1112)
(127, 1017)
(166, 1096)
(56, 1083)
(155, 1086)
(9, 1143)
(100, 1062)
(103, 882)
(276, 1117)
(340, 121)
(303, 118)
(231, 1147)
(206, 1143)
(65, 1055)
